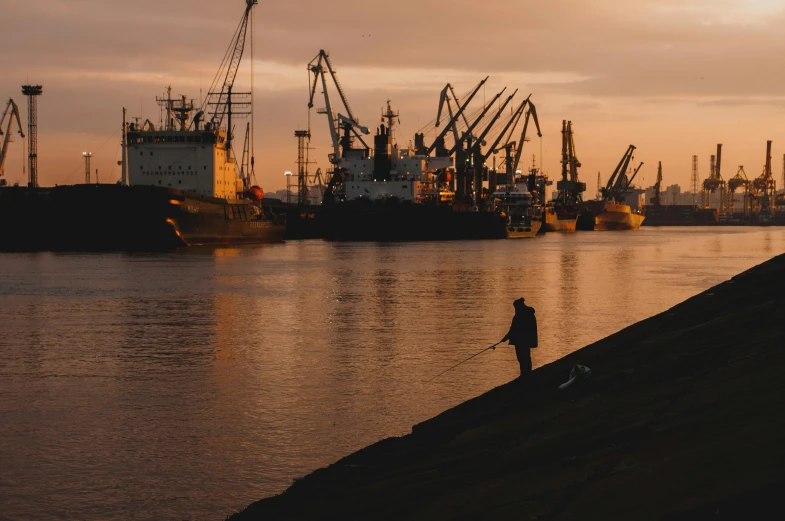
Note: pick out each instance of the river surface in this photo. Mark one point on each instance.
(188, 385)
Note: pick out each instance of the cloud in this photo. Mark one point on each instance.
(648, 68)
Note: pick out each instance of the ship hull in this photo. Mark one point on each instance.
(616, 216)
(523, 230)
(384, 222)
(126, 218)
(559, 221)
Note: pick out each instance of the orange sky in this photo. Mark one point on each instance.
(673, 77)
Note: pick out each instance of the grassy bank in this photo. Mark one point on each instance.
(682, 419)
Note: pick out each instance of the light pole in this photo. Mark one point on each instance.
(288, 175)
(87, 156)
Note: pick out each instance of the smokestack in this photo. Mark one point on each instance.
(712, 167)
(719, 160)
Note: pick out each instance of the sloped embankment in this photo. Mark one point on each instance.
(683, 419)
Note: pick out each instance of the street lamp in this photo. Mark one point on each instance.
(288, 175)
(87, 156)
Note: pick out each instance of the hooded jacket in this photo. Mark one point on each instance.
(523, 331)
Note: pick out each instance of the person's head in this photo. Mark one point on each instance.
(518, 304)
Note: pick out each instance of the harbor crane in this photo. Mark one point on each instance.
(656, 200)
(570, 189)
(222, 100)
(763, 188)
(438, 143)
(350, 125)
(12, 111)
(619, 182)
(715, 181)
(734, 183)
(513, 149)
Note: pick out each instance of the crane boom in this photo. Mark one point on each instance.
(460, 110)
(236, 54)
(9, 130)
(494, 119)
(469, 130)
(338, 86)
(349, 124)
(514, 118)
(519, 150)
(620, 168)
(629, 182)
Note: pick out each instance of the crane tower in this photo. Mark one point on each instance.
(32, 92)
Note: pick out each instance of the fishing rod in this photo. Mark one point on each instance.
(464, 361)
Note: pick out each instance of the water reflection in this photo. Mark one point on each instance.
(196, 383)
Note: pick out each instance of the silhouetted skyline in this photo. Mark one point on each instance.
(672, 77)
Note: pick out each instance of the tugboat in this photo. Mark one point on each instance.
(180, 186)
(522, 216)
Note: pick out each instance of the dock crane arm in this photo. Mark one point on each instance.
(340, 89)
(620, 168)
(9, 130)
(513, 118)
(629, 183)
(511, 124)
(469, 130)
(494, 119)
(460, 110)
(350, 123)
(235, 55)
(519, 150)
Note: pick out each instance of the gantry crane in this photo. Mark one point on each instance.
(350, 125)
(734, 183)
(12, 111)
(763, 188)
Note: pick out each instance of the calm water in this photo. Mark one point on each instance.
(186, 386)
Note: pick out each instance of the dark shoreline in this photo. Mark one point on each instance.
(681, 420)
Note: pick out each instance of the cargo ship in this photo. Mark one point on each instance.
(395, 194)
(516, 206)
(557, 218)
(612, 212)
(180, 186)
(617, 216)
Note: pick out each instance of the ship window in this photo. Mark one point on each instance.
(180, 182)
(189, 139)
(141, 167)
(189, 167)
(141, 153)
(205, 167)
(151, 152)
(159, 181)
(159, 167)
(182, 139)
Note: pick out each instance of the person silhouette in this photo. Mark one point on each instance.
(523, 335)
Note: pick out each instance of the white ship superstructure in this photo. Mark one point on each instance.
(388, 172)
(180, 154)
